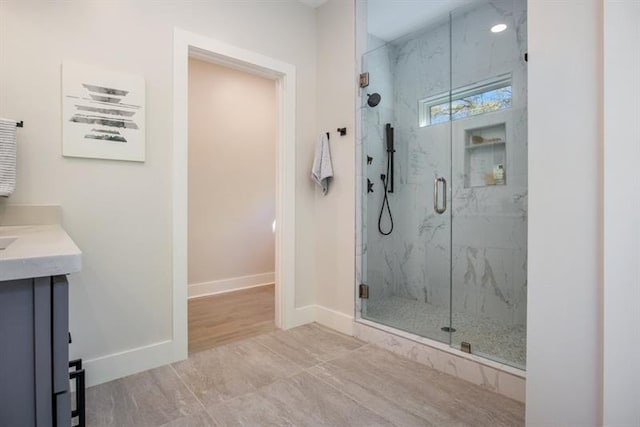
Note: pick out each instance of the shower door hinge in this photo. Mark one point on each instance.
(465, 347)
(364, 291)
(364, 80)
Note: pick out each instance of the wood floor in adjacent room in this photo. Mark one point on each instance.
(224, 318)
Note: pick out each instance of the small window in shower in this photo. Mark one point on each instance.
(478, 98)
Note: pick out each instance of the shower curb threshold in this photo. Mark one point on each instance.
(520, 373)
(493, 376)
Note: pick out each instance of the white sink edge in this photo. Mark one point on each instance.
(6, 241)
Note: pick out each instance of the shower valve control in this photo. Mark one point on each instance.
(369, 186)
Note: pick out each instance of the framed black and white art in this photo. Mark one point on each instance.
(103, 113)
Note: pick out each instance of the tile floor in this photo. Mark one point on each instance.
(307, 376)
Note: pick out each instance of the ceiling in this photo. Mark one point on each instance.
(313, 3)
(390, 19)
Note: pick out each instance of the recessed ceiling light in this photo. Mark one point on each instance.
(498, 28)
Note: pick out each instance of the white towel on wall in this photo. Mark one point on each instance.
(322, 170)
(7, 157)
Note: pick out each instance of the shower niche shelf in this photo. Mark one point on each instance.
(485, 155)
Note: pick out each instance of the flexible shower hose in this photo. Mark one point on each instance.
(385, 199)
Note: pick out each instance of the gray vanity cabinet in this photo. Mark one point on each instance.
(34, 352)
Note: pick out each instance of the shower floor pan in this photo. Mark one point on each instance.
(488, 338)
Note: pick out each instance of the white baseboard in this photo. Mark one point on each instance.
(334, 319)
(304, 315)
(325, 316)
(228, 285)
(128, 362)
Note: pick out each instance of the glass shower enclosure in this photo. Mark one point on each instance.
(444, 170)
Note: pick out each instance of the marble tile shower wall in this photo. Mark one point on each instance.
(421, 69)
(490, 223)
(485, 229)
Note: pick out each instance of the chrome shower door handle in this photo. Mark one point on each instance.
(436, 195)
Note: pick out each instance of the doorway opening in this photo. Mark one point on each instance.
(187, 46)
(232, 130)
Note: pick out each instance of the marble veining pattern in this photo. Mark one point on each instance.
(307, 376)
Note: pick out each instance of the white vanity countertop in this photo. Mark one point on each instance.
(37, 251)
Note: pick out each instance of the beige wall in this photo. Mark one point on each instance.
(335, 212)
(564, 341)
(232, 155)
(621, 233)
(119, 213)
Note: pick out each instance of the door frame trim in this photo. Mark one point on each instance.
(187, 44)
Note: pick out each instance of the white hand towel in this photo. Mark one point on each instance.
(322, 171)
(7, 157)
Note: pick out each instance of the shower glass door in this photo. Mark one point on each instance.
(444, 179)
(489, 179)
(406, 226)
